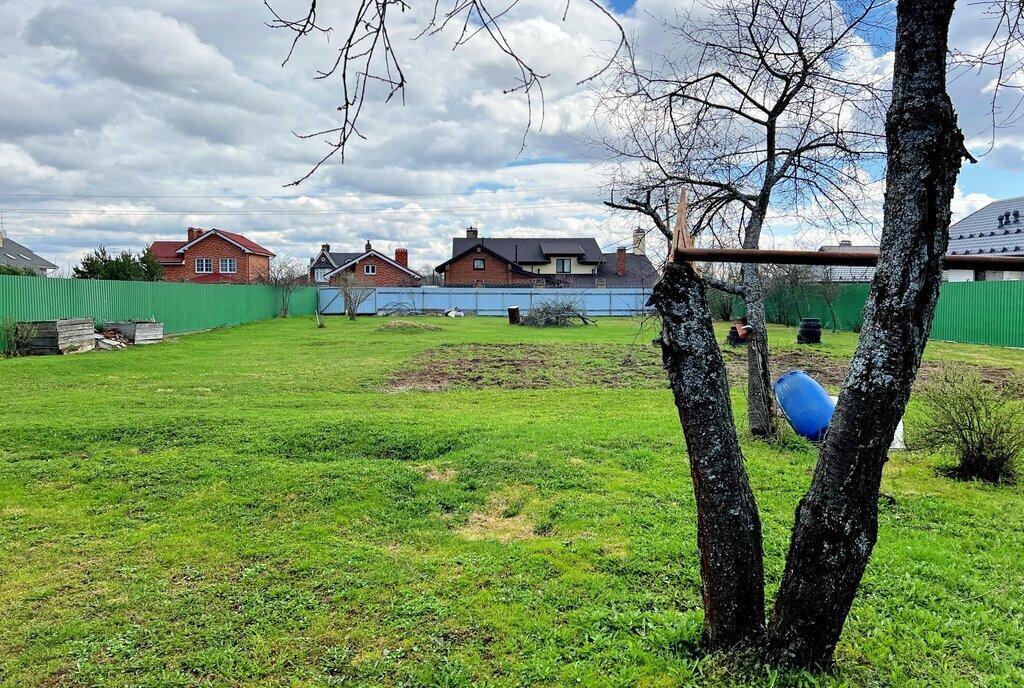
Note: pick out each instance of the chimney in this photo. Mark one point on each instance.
(368, 247)
(845, 242)
(639, 242)
(472, 232)
(402, 256)
(326, 248)
(194, 233)
(620, 261)
(1016, 217)
(1000, 220)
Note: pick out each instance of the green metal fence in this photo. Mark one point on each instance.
(967, 312)
(180, 307)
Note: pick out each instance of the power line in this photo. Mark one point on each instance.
(304, 211)
(299, 197)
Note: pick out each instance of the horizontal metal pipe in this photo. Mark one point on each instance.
(852, 258)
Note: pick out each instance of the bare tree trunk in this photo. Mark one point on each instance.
(728, 525)
(837, 520)
(760, 402)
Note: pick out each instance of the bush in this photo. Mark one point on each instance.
(14, 338)
(983, 426)
(17, 271)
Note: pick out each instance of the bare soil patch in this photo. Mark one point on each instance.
(531, 366)
(553, 366)
(831, 372)
(442, 475)
(504, 517)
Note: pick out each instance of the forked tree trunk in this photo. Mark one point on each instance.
(837, 520)
(728, 525)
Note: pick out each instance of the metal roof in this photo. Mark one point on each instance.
(14, 254)
(844, 273)
(998, 229)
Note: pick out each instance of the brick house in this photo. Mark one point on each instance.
(212, 257)
(373, 268)
(561, 262)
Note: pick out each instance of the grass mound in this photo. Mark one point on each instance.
(407, 326)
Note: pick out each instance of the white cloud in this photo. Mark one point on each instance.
(181, 106)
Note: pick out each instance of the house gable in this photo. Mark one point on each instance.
(376, 256)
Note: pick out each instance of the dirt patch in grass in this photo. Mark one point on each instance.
(407, 326)
(504, 518)
(831, 372)
(442, 475)
(553, 366)
(531, 366)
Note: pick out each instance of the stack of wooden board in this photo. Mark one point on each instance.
(139, 332)
(58, 336)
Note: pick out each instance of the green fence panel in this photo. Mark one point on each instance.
(981, 313)
(967, 312)
(180, 307)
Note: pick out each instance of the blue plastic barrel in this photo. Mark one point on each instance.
(807, 405)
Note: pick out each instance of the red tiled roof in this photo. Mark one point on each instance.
(166, 251)
(247, 243)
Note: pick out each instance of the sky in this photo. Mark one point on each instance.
(127, 122)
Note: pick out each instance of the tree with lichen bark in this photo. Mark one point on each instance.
(837, 520)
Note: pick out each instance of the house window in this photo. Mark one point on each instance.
(320, 274)
(204, 265)
(229, 265)
(369, 269)
(563, 265)
(478, 263)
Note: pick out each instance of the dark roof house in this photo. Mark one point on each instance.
(996, 229)
(17, 256)
(555, 262)
(845, 273)
(373, 267)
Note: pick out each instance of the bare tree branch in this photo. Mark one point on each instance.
(367, 57)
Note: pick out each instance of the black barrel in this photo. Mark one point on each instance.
(513, 315)
(809, 332)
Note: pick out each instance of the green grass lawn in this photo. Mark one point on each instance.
(280, 505)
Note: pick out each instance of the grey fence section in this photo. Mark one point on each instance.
(595, 302)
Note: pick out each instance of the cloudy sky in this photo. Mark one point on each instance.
(126, 122)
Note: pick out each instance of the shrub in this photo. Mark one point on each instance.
(14, 337)
(982, 425)
(17, 271)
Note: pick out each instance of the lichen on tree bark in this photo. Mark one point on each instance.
(728, 525)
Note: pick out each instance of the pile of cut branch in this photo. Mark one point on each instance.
(556, 314)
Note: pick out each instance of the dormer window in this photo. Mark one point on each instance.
(563, 265)
(320, 274)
